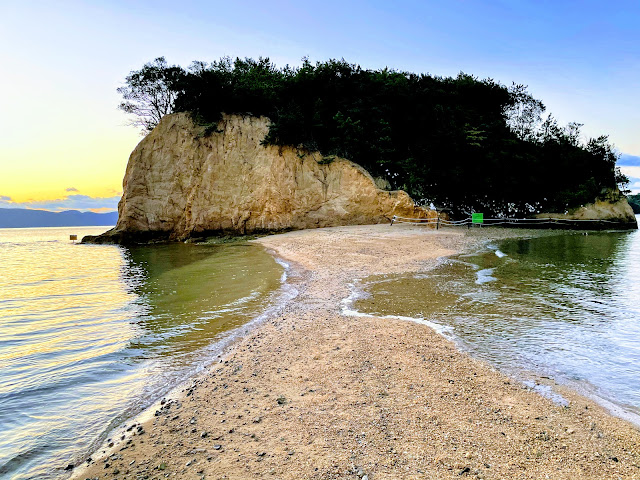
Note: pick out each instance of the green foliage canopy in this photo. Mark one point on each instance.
(462, 143)
(634, 201)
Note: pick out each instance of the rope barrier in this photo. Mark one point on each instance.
(426, 220)
(495, 221)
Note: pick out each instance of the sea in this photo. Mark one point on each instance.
(563, 306)
(92, 334)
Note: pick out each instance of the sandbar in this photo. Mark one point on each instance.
(315, 394)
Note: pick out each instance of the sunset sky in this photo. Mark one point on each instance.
(64, 144)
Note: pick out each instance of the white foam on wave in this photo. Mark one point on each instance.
(286, 266)
(346, 308)
(547, 391)
(485, 275)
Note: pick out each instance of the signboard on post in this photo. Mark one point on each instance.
(477, 218)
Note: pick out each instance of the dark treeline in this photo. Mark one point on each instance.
(634, 201)
(462, 143)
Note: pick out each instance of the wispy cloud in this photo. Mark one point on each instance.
(71, 189)
(627, 160)
(634, 185)
(82, 203)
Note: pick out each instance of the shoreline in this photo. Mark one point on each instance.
(548, 385)
(311, 393)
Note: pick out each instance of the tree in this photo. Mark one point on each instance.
(460, 142)
(150, 93)
(622, 181)
(524, 114)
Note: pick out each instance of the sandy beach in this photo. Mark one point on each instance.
(315, 394)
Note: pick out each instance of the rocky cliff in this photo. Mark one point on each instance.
(181, 183)
(612, 210)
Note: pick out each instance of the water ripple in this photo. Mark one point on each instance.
(563, 305)
(89, 334)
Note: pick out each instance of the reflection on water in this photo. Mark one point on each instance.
(566, 305)
(89, 334)
(189, 294)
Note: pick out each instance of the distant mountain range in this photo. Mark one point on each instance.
(23, 218)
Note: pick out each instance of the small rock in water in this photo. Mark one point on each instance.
(70, 467)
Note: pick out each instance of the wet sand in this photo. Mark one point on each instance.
(315, 394)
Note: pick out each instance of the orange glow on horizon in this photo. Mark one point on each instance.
(102, 210)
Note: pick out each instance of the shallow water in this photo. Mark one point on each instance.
(90, 334)
(565, 306)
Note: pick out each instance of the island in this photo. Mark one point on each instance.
(246, 147)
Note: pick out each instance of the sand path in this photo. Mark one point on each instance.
(316, 394)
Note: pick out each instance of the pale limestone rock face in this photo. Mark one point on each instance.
(179, 183)
(604, 210)
(613, 207)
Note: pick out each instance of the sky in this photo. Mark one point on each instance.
(64, 144)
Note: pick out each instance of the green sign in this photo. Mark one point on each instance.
(477, 218)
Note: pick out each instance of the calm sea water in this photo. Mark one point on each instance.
(565, 306)
(90, 334)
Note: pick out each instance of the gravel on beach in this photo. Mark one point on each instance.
(315, 394)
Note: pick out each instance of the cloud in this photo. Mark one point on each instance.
(82, 203)
(631, 171)
(101, 210)
(634, 185)
(71, 189)
(627, 160)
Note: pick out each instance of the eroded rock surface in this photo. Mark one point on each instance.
(610, 211)
(180, 183)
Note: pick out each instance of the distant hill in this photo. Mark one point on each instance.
(23, 218)
(634, 201)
